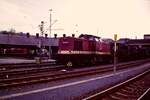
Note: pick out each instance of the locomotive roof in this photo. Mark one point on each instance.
(88, 36)
(123, 40)
(139, 42)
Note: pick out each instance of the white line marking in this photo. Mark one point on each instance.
(61, 86)
(94, 95)
(143, 94)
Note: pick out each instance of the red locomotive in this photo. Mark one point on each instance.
(87, 49)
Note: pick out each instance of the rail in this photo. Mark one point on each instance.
(123, 90)
(43, 77)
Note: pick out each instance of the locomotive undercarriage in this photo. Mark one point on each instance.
(82, 59)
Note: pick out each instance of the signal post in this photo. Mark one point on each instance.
(115, 51)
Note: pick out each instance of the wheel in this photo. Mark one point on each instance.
(93, 61)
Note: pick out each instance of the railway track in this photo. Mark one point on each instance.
(27, 71)
(42, 69)
(4, 67)
(48, 75)
(132, 89)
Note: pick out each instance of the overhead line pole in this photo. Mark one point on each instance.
(50, 29)
(50, 26)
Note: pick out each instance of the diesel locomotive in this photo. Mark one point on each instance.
(87, 49)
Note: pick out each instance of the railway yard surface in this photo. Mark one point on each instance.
(56, 82)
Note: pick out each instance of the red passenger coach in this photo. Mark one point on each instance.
(87, 49)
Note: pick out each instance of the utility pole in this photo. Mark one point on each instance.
(50, 21)
(76, 30)
(42, 28)
(39, 59)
